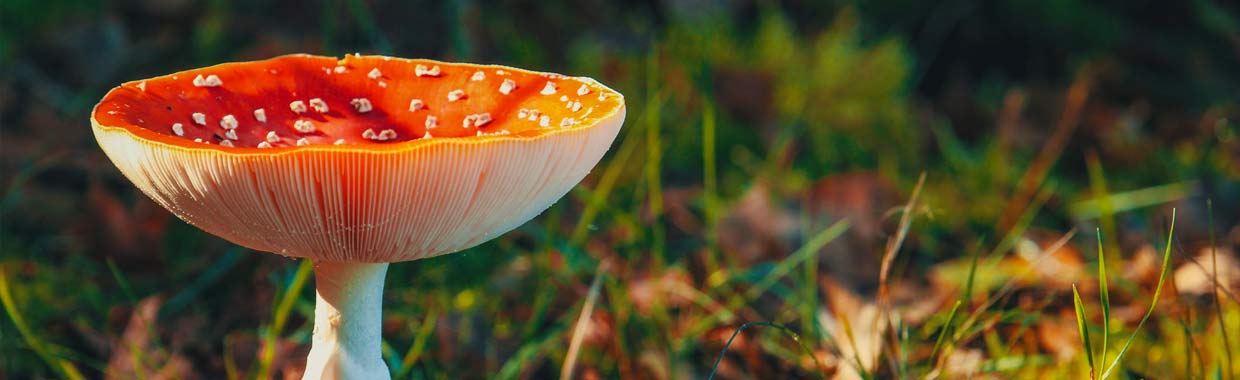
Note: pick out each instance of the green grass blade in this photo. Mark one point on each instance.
(785, 330)
(938, 343)
(596, 201)
(710, 192)
(283, 308)
(62, 367)
(1104, 296)
(804, 253)
(1162, 278)
(968, 284)
(1083, 329)
(420, 339)
(121, 282)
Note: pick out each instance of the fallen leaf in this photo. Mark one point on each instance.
(863, 199)
(856, 327)
(756, 228)
(1197, 276)
(140, 354)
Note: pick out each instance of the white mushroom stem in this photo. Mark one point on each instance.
(347, 320)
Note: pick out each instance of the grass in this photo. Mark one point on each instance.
(672, 213)
(1105, 303)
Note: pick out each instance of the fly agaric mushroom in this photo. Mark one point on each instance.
(352, 184)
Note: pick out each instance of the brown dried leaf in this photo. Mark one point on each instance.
(1197, 276)
(856, 325)
(139, 354)
(670, 289)
(756, 228)
(863, 199)
(1058, 336)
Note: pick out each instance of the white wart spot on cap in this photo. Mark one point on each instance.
(224, 143)
(563, 98)
(567, 122)
(478, 75)
(482, 119)
(260, 115)
(272, 137)
(319, 105)
(228, 122)
(199, 118)
(178, 129)
(264, 145)
(423, 71)
(431, 122)
(576, 106)
(339, 142)
(209, 81)
(303, 141)
(455, 95)
(416, 104)
(297, 106)
(303, 126)
(361, 105)
(142, 86)
(583, 90)
(231, 134)
(385, 135)
(476, 120)
(507, 86)
(374, 73)
(548, 89)
(544, 121)
(339, 69)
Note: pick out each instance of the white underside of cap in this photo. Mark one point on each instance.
(361, 206)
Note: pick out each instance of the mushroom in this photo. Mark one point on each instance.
(354, 191)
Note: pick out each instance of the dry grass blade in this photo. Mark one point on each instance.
(583, 320)
(889, 257)
(1078, 93)
(1218, 305)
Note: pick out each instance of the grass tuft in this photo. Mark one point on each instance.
(1162, 277)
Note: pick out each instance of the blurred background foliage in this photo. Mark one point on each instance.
(753, 128)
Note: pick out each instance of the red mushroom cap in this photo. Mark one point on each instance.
(331, 159)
